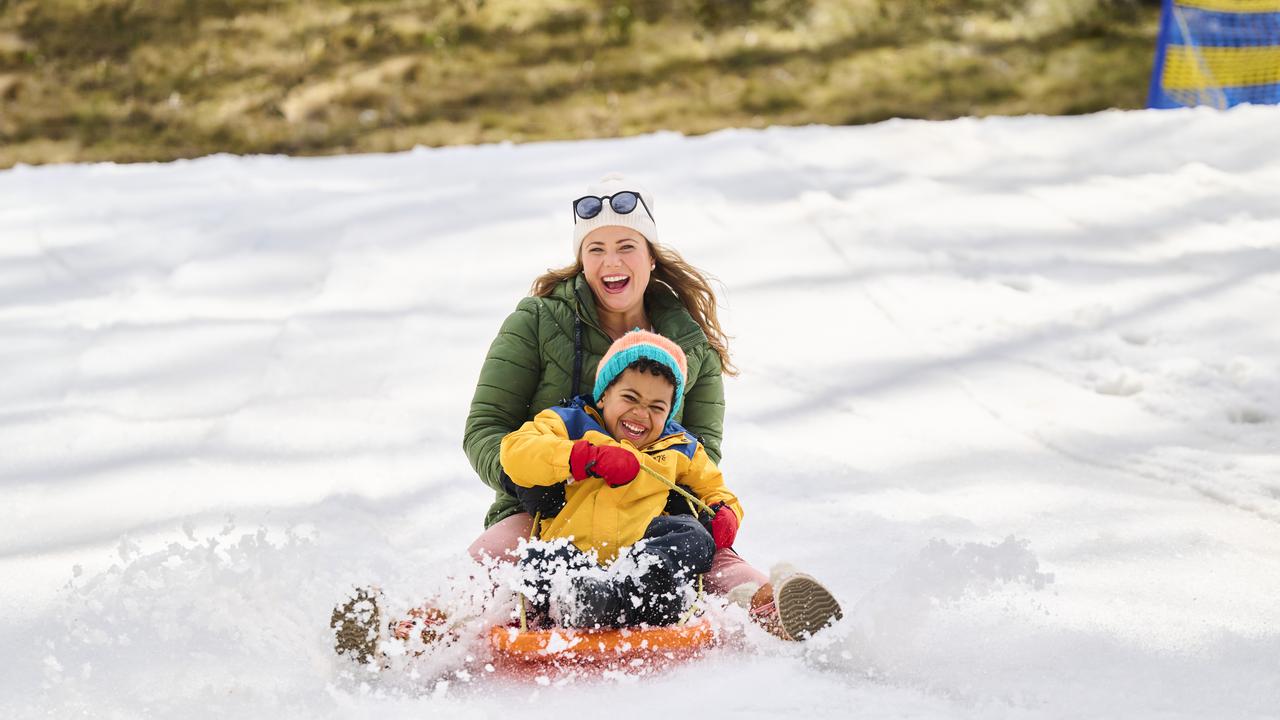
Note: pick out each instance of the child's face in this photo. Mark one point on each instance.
(635, 407)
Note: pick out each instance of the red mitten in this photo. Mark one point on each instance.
(614, 464)
(724, 526)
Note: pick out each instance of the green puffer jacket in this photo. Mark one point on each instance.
(529, 368)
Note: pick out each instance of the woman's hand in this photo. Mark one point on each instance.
(615, 465)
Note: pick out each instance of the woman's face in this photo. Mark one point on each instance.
(617, 264)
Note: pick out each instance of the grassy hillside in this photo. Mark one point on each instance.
(135, 80)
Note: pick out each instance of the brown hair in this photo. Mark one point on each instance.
(690, 284)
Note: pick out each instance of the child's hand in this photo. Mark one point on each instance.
(724, 526)
(614, 464)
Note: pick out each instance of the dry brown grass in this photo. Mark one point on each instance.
(132, 80)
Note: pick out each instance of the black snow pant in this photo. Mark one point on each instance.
(675, 549)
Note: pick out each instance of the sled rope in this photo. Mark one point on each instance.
(533, 535)
(685, 493)
(693, 607)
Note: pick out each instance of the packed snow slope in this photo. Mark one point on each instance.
(1011, 387)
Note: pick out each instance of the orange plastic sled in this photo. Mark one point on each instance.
(565, 648)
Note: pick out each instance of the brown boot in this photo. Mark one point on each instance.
(431, 621)
(763, 611)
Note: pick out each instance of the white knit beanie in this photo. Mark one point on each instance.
(637, 219)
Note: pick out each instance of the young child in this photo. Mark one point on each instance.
(614, 511)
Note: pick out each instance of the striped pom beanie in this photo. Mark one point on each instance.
(642, 344)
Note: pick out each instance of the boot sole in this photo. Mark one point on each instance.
(805, 606)
(354, 636)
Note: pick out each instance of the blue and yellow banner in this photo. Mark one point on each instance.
(1217, 52)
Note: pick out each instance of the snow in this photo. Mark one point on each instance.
(1010, 387)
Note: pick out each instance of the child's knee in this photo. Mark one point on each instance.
(684, 539)
(704, 551)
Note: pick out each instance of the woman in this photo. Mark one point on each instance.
(548, 349)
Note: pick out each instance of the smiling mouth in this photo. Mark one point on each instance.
(615, 283)
(632, 430)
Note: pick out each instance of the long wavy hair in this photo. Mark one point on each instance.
(690, 284)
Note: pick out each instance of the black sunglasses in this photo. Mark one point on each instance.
(589, 206)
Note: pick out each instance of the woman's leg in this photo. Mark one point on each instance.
(729, 570)
(501, 538)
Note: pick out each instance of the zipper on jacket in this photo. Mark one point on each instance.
(577, 356)
(579, 314)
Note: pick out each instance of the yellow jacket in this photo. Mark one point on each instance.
(596, 516)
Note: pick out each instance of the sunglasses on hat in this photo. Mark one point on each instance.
(589, 206)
